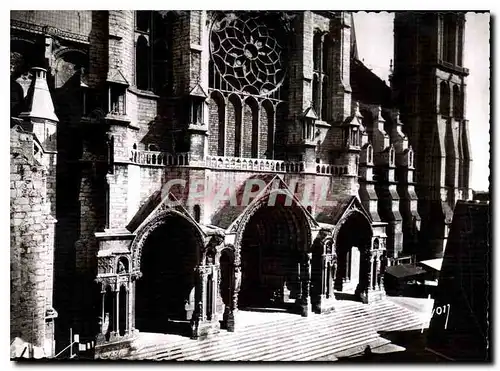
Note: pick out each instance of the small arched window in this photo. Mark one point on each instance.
(327, 47)
(457, 102)
(315, 93)
(160, 64)
(324, 99)
(370, 153)
(142, 63)
(444, 99)
(317, 51)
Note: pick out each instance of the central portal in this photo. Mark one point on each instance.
(271, 249)
(165, 294)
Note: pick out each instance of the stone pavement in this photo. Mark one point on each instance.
(281, 336)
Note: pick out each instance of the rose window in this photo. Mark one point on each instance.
(247, 54)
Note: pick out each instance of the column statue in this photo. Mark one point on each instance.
(195, 320)
(306, 286)
(234, 299)
(377, 270)
(365, 278)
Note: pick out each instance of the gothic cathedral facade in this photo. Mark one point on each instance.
(138, 137)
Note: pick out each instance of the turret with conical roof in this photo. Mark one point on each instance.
(40, 117)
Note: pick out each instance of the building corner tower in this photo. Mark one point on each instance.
(429, 84)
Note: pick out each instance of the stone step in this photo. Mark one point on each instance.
(350, 326)
(328, 344)
(299, 342)
(247, 336)
(336, 329)
(269, 340)
(248, 330)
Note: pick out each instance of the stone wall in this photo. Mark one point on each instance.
(31, 238)
(213, 190)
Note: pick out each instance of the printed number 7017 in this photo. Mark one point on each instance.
(440, 310)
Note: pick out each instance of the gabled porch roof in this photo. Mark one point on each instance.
(153, 206)
(333, 214)
(229, 216)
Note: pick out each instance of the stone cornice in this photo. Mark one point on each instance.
(48, 30)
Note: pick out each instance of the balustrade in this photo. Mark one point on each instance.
(335, 170)
(253, 164)
(158, 158)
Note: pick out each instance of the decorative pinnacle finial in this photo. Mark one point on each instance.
(391, 67)
(356, 109)
(397, 115)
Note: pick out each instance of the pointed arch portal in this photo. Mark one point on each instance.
(353, 249)
(165, 294)
(271, 250)
(273, 254)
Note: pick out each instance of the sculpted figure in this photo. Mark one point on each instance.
(121, 267)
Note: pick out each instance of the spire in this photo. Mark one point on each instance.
(39, 100)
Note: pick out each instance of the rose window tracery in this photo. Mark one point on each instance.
(247, 53)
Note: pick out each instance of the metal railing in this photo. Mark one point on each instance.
(74, 339)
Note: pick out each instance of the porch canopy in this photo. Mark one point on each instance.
(405, 271)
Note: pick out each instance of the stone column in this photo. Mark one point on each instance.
(234, 304)
(299, 276)
(127, 313)
(130, 314)
(364, 285)
(370, 275)
(237, 286)
(211, 305)
(103, 300)
(117, 310)
(199, 299)
(324, 276)
(203, 314)
(377, 270)
(333, 272)
(215, 292)
(306, 285)
(383, 265)
(132, 311)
